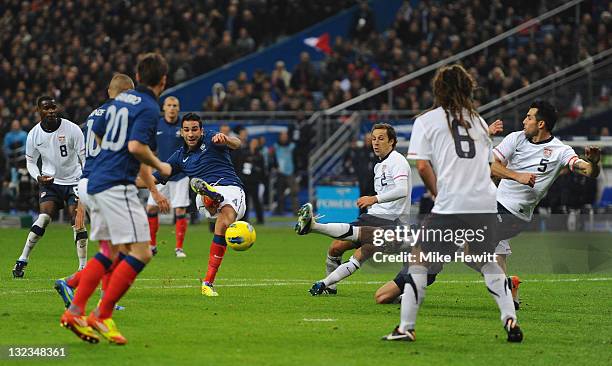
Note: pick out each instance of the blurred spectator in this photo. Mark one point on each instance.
(360, 163)
(285, 179)
(253, 173)
(15, 141)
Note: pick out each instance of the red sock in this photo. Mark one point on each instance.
(90, 278)
(122, 278)
(74, 279)
(181, 228)
(214, 259)
(153, 227)
(107, 275)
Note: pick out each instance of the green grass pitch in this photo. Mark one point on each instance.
(265, 316)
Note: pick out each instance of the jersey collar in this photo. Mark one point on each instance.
(386, 156)
(543, 141)
(146, 90)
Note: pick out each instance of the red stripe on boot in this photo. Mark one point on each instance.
(181, 228)
(214, 261)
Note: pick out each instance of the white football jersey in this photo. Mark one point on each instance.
(62, 152)
(461, 163)
(545, 159)
(389, 173)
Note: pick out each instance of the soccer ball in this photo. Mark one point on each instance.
(240, 236)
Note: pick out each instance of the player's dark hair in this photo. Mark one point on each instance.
(452, 89)
(41, 99)
(191, 117)
(151, 68)
(391, 134)
(546, 112)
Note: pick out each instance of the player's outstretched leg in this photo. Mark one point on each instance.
(209, 193)
(80, 241)
(153, 218)
(180, 230)
(36, 232)
(307, 222)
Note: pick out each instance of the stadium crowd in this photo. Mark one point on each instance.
(419, 37)
(63, 49)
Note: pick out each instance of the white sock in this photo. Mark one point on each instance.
(497, 284)
(343, 271)
(330, 265)
(80, 240)
(337, 230)
(36, 232)
(414, 294)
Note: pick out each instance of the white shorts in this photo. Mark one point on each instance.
(117, 215)
(176, 192)
(503, 247)
(232, 195)
(82, 192)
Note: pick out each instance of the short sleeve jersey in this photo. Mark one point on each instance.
(545, 159)
(460, 159)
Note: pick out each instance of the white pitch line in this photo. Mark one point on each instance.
(320, 320)
(280, 282)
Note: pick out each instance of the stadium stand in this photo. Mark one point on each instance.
(50, 46)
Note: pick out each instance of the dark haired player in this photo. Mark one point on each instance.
(60, 145)
(205, 157)
(528, 162)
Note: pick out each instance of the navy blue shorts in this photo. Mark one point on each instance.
(508, 225)
(370, 220)
(375, 221)
(58, 193)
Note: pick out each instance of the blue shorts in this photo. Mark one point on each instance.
(59, 194)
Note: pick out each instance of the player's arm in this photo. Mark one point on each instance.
(499, 170)
(427, 175)
(230, 141)
(149, 182)
(496, 127)
(399, 191)
(32, 154)
(590, 167)
(79, 144)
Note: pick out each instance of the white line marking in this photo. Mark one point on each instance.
(280, 282)
(320, 320)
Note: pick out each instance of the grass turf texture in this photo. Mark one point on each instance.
(264, 314)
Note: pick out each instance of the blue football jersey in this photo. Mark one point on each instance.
(131, 116)
(208, 161)
(167, 140)
(91, 146)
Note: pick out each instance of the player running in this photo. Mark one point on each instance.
(60, 145)
(205, 155)
(528, 162)
(124, 136)
(168, 140)
(119, 83)
(389, 208)
(451, 145)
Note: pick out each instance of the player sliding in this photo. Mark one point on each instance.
(528, 162)
(389, 208)
(168, 139)
(205, 157)
(59, 143)
(124, 135)
(451, 145)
